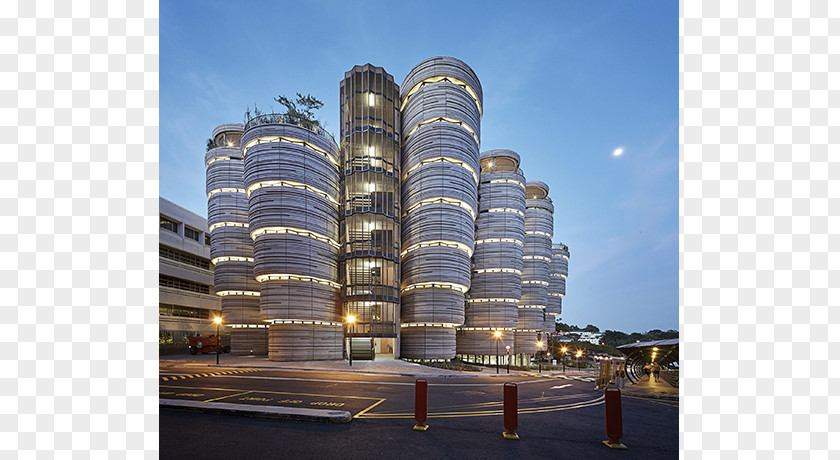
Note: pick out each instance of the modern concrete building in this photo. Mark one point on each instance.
(292, 180)
(491, 313)
(557, 284)
(370, 210)
(187, 301)
(231, 248)
(389, 229)
(539, 229)
(441, 126)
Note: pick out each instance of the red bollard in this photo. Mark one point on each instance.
(511, 411)
(612, 412)
(421, 389)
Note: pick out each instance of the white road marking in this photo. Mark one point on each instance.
(562, 386)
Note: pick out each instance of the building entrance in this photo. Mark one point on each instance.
(383, 348)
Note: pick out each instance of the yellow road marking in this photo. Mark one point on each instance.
(369, 408)
(228, 396)
(165, 379)
(532, 410)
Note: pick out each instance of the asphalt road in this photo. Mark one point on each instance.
(557, 417)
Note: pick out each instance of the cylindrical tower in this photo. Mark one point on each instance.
(370, 217)
(497, 263)
(441, 122)
(539, 226)
(231, 249)
(291, 179)
(559, 273)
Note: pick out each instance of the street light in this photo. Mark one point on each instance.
(507, 347)
(349, 320)
(498, 335)
(564, 358)
(578, 354)
(218, 321)
(539, 347)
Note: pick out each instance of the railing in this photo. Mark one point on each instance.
(277, 118)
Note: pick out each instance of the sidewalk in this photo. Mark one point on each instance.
(647, 388)
(381, 366)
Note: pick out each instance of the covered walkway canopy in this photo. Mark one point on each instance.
(665, 352)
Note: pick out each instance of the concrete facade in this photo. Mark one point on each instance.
(441, 126)
(231, 248)
(187, 300)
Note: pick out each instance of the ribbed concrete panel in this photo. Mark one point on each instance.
(559, 272)
(427, 342)
(525, 341)
(536, 276)
(292, 179)
(231, 248)
(441, 128)
(249, 340)
(483, 342)
(496, 285)
(304, 342)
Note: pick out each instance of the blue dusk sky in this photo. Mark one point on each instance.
(566, 83)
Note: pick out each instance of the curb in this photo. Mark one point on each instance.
(675, 398)
(281, 413)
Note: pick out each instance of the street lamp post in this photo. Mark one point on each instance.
(564, 358)
(578, 355)
(539, 347)
(507, 347)
(218, 321)
(349, 320)
(498, 335)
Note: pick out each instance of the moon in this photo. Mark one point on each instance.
(618, 151)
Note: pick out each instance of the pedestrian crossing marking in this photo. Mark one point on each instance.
(208, 374)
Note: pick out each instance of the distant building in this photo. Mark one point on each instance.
(187, 301)
(591, 337)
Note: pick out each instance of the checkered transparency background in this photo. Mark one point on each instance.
(760, 200)
(78, 233)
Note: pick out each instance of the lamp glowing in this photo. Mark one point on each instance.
(351, 319)
(498, 334)
(371, 99)
(218, 320)
(539, 344)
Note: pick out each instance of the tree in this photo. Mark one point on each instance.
(210, 144)
(591, 328)
(301, 111)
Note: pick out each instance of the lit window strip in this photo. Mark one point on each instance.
(446, 119)
(527, 330)
(500, 240)
(442, 200)
(537, 232)
(284, 277)
(438, 78)
(217, 260)
(289, 140)
(552, 313)
(243, 326)
(227, 224)
(537, 307)
(492, 300)
(555, 294)
(444, 243)
(485, 329)
(507, 181)
(303, 321)
(215, 159)
(293, 231)
(287, 183)
(429, 325)
(559, 275)
(443, 160)
(498, 270)
(547, 259)
(544, 283)
(453, 286)
(238, 293)
(507, 210)
(225, 189)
